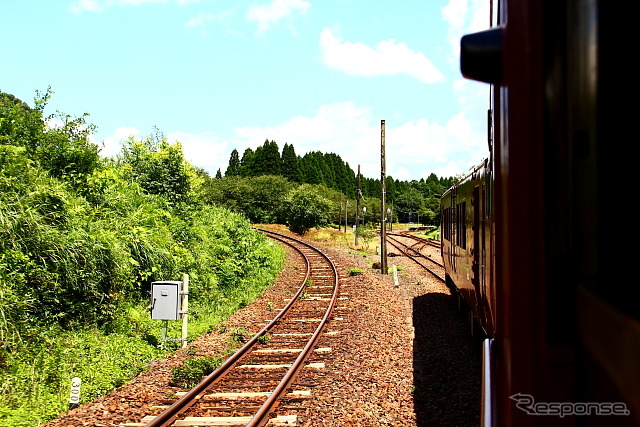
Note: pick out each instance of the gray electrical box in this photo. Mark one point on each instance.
(166, 300)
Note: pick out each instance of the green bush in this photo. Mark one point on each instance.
(306, 209)
(193, 370)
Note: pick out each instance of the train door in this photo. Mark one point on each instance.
(454, 229)
(477, 250)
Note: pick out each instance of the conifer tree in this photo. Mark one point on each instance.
(234, 164)
(246, 163)
(290, 164)
(270, 161)
(312, 168)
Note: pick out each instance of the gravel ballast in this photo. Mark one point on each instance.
(402, 355)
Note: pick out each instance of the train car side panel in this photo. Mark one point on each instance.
(567, 331)
(465, 245)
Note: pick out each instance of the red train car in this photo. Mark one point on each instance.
(466, 234)
(558, 302)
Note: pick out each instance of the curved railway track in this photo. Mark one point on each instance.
(253, 387)
(421, 242)
(414, 251)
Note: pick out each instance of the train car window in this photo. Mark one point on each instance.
(461, 236)
(446, 232)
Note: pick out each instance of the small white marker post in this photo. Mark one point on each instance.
(74, 398)
(395, 276)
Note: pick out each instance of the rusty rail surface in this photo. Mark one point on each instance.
(319, 267)
(415, 254)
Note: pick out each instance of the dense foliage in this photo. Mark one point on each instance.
(81, 238)
(306, 209)
(414, 201)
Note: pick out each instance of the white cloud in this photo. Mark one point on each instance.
(274, 12)
(388, 57)
(204, 150)
(112, 144)
(454, 13)
(422, 148)
(85, 6)
(200, 22)
(414, 150)
(96, 6)
(335, 128)
(464, 17)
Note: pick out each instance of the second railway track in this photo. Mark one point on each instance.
(413, 249)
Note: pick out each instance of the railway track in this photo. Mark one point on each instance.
(414, 249)
(254, 386)
(421, 242)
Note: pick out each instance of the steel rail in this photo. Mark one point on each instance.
(397, 244)
(419, 240)
(262, 415)
(170, 414)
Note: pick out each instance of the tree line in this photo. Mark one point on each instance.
(411, 201)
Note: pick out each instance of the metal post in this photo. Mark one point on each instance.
(165, 327)
(383, 202)
(185, 307)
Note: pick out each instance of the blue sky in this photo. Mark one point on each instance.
(218, 75)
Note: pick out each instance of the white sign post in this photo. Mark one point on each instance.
(74, 398)
(395, 276)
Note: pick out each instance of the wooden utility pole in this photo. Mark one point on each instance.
(357, 224)
(346, 211)
(340, 217)
(383, 203)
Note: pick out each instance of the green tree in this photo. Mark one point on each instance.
(312, 165)
(20, 124)
(259, 198)
(268, 161)
(59, 142)
(306, 209)
(264, 200)
(234, 164)
(408, 204)
(246, 163)
(159, 167)
(291, 164)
